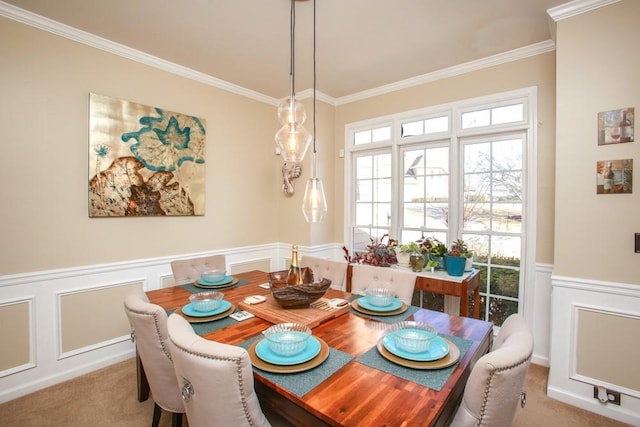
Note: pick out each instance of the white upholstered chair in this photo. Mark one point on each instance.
(189, 270)
(495, 386)
(149, 324)
(336, 271)
(216, 379)
(400, 282)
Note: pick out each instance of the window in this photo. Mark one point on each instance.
(453, 171)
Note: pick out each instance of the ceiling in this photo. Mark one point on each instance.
(361, 44)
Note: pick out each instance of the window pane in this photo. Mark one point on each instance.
(505, 282)
(507, 217)
(507, 155)
(505, 250)
(506, 186)
(363, 167)
(500, 309)
(363, 137)
(477, 157)
(382, 190)
(437, 215)
(437, 162)
(382, 166)
(382, 134)
(413, 215)
(364, 191)
(476, 118)
(438, 124)
(508, 114)
(364, 214)
(412, 129)
(476, 217)
(382, 214)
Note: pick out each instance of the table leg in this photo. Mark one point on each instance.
(476, 302)
(464, 300)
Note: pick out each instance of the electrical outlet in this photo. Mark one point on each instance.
(612, 396)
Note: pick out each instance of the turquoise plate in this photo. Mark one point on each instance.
(438, 349)
(311, 350)
(223, 281)
(189, 311)
(395, 304)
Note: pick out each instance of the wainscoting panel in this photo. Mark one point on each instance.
(17, 351)
(594, 343)
(90, 317)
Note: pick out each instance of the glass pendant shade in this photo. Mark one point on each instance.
(291, 111)
(314, 203)
(293, 140)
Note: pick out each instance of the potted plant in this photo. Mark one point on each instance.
(379, 254)
(461, 246)
(456, 258)
(404, 251)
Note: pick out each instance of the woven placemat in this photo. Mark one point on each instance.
(386, 319)
(302, 383)
(194, 289)
(434, 379)
(206, 327)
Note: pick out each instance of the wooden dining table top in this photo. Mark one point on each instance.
(356, 394)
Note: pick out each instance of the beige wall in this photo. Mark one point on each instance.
(597, 70)
(45, 81)
(534, 71)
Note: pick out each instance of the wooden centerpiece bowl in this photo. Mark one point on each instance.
(297, 296)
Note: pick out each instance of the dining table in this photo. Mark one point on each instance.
(357, 382)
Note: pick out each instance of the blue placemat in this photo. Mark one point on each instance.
(194, 289)
(206, 327)
(434, 379)
(301, 383)
(386, 319)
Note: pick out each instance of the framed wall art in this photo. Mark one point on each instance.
(144, 161)
(614, 176)
(616, 126)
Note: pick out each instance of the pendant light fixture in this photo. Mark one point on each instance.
(293, 139)
(314, 203)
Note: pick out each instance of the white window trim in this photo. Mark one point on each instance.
(528, 95)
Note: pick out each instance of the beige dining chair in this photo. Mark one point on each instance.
(402, 283)
(216, 379)
(336, 271)
(189, 270)
(149, 331)
(495, 386)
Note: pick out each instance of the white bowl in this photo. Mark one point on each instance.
(206, 301)
(213, 275)
(413, 337)
(287, 339)
(379, 297)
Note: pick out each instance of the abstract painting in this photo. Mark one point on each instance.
(144, 161)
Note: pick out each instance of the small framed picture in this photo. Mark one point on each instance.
(616, 126)
(614, 176)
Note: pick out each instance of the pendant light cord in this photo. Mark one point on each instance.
(292, 31)
(314, 89)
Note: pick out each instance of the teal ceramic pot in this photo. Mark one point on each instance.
(455, 265)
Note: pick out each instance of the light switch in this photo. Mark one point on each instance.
(637, 244)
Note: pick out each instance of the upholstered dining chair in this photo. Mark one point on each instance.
(149, 324)
(400, 282)
(189, 270)
(495, 386)
(336, 271)
(216, 379)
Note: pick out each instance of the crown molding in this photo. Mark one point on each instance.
(490, 61)
(54, 27)
(576, 7)
(563, 11)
